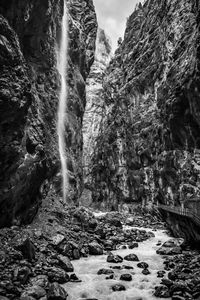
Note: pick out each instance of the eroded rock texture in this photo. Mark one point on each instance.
(94, 110)
(148, 149)
(29, 87)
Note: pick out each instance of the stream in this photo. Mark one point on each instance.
(95, 286)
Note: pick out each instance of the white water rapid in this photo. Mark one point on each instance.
(95, 286)
(62, 69)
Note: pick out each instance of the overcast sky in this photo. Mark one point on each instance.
(112, 16)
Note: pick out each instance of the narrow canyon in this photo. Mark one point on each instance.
(99, 152)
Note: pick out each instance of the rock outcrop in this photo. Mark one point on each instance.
(29, 87)
(148, 148)
(95, 108)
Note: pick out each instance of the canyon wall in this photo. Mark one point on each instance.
(94, 110)
(30, 33)
(148, 148)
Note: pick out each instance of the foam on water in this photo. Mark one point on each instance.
(141, 287)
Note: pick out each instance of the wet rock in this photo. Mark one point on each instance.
(73, 278)
(35, 291)
(116, 267)
(95, 249)
(162, 292)
(172, 243)
(56, 292)
(58, 275)
(133, 245)
(167, 282)
(169, 251)
(114, 258)
(22, 274)
(142, 265)
(65, 263)
(105, 271)
(57, 239)
(126, 277)
(131, 257)
(172, 275)
(118, 288)
(40, 280)
(111, 276)
(113, 219)
(127, 267)
(27, 248)
(178, 287)
(146, 272)
(92, 224)
(160, 274)
(108, 245)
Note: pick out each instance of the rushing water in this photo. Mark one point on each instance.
(140, 288)
(62, 68)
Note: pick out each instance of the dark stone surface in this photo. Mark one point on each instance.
(126, 277)
(112, 258)
(148, 149)
(29, 89)
(57, 292)
(131, 257)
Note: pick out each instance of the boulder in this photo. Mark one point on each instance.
(34, 291)
(133, 245)
(57, 239)
(118, 287)
(162, 292)
(160, 274)
(126, 277)
(105, 271)
(114, 258)
(56, 292)
(169, 251)
(58, 275)
(146, 272)
(131, 257)
(95, 249)
(65, 263)
(40, 280)
(73, 278)
(27, 248)
(142, 265)
(22, 274)
(127, 267)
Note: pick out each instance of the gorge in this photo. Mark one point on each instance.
(100, 153)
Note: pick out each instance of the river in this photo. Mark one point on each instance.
(95, 286)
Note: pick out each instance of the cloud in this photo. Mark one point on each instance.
(112, 16)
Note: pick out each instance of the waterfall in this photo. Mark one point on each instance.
(62, 69)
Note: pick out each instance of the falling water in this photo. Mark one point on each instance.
(62, 68)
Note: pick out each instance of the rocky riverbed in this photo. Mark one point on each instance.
(75, 254)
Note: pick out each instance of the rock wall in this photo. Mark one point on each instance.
(29, 87)
(148, 148)
(94, 110)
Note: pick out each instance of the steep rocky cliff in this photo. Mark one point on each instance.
(95, 108)
(148, 148)
(29, 86)
(94, 102)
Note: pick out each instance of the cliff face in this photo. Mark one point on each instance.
(95, 102)
(148, 149)
(29, 87)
